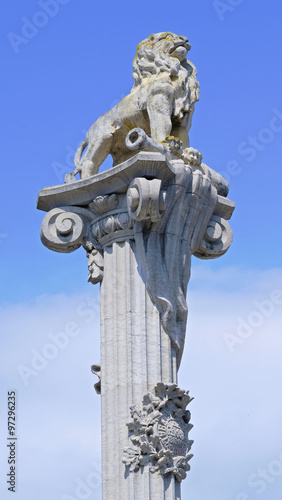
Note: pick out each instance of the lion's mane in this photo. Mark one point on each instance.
(151, 63)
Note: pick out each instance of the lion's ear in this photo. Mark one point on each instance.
(151, 38)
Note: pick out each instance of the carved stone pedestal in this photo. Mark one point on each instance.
(140, 222)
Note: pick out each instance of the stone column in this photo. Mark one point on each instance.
(140, 222)
(136, 354)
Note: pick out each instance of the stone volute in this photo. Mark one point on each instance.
(139, 223)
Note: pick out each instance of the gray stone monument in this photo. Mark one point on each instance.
(140, 222)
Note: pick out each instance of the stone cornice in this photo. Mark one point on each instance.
(88, 212)
(114, 180)
(170, 209)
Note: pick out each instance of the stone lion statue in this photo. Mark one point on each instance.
(161, 103)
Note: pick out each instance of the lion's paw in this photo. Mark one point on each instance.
(174, 146)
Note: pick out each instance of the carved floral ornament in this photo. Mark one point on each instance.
(168, 204)
(158, 431)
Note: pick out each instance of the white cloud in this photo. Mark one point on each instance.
(237, 404)
(58, 410)
(237, 407)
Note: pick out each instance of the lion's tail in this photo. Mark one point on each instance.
(78, 154)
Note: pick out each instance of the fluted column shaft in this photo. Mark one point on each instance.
(140, 223)
(136, 354)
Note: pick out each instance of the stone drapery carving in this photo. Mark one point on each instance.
(139, 223)
(158, 432)
(165, 245)
(170, 214)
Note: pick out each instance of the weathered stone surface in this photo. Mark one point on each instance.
(139, 238)
(172, 213)
(158, 433)
(161, 103)
(140, 222)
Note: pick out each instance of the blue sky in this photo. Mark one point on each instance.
(60, 71)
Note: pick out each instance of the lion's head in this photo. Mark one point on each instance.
(163, 54)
